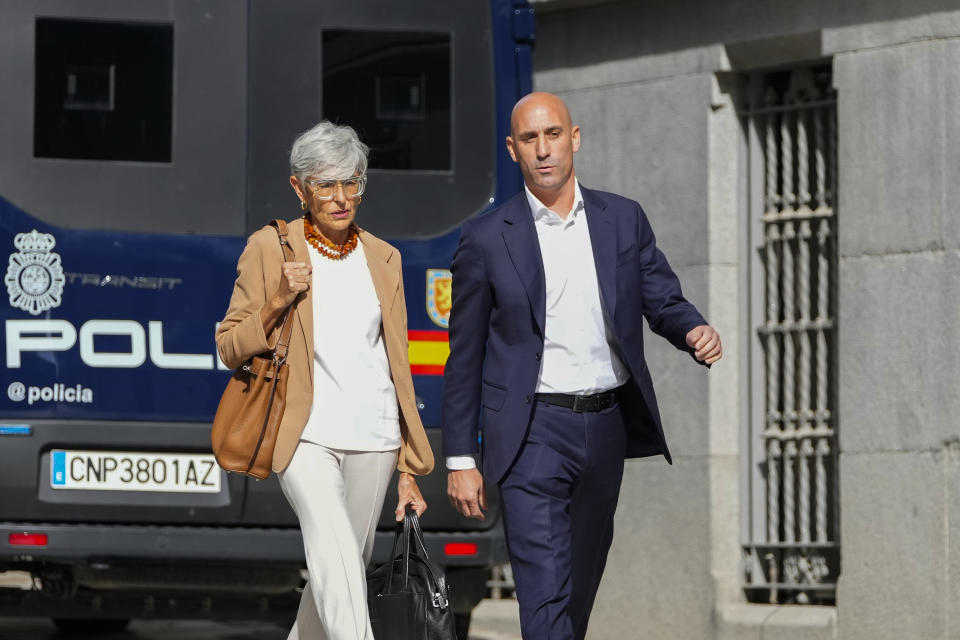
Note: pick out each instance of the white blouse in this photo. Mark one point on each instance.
(354, 400)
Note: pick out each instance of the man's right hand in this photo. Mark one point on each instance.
(466, 492)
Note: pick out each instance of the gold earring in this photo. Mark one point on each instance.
(303, 205)
(359, 199)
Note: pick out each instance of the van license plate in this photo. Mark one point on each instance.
(134, 471)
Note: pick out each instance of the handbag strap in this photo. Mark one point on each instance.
(408, 542)
(401, 539)
(406, 552)
(283, 344)
(418, 534)
(418, 548)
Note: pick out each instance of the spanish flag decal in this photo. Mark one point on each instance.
(428, 352)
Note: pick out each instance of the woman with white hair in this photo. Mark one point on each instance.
(350, 416)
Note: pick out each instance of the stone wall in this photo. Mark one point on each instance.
(647, 83)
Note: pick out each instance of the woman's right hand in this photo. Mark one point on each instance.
(294, 280)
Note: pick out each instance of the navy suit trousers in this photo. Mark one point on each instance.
(559, 499)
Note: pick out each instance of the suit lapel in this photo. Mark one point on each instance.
(384, 271)
(298, 243)
(520, 236)
(603, 237)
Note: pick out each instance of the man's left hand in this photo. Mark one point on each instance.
(705, 341)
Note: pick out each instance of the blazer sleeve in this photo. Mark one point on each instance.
(472, 304)
(416, 455)
(669, 314)
(240, 334)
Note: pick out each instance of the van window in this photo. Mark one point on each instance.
(393, 87)
(103, 90)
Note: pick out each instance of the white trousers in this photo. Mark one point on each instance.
(337, 496)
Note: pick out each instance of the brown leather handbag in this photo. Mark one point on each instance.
(245, 427)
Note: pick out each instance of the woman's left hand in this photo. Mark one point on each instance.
(410, 496)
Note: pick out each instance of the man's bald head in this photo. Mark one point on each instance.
(542, 141)
(539, 100)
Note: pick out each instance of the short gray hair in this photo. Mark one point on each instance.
(333, 151)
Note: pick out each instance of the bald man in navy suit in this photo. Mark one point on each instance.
(547, 362)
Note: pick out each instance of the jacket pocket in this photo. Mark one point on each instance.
(493, 396)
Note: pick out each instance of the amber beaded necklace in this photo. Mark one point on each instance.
(329, 249)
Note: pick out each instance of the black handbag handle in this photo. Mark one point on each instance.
(405, 548)
(402, 534)
(418, 536)
(439, 582)
(408, 545)
(406, 551)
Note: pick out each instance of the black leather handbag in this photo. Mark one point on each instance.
(408, 596)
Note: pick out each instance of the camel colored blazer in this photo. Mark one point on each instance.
(241, 335)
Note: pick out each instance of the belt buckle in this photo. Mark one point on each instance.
(582, 404)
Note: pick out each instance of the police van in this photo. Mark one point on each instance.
(142, 143)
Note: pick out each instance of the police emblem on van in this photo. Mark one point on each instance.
(34, 274)
(438, 296)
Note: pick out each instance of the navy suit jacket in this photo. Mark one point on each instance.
(497, 320)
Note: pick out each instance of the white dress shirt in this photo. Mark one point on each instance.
(354, 400)
(579, 349)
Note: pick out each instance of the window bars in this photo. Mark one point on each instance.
(791, 551)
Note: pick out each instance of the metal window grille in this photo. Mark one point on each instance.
(791, 548)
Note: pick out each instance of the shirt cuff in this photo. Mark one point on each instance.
(461, 463)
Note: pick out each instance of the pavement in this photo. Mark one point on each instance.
(495, 620)
(492, 620)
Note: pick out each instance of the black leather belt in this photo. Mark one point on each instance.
(580, 404)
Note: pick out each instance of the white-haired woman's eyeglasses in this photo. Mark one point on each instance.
(327, 189)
